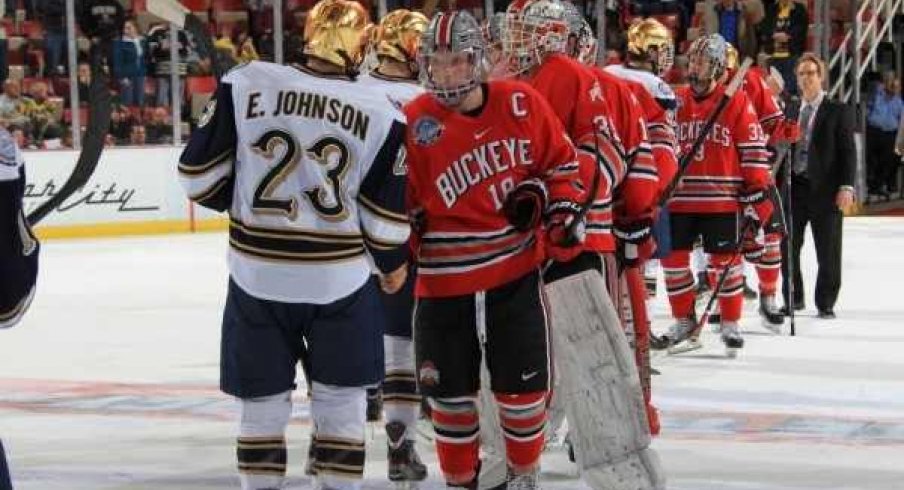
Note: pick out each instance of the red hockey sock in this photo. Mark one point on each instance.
(523, 418)
(456, 424)
(770, 264)
(679, 282)
(731, 298)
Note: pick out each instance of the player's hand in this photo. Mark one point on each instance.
(391, 283)
(525, 204)
(635, 236)
(789, 132)
(756, 205)
(564, 235)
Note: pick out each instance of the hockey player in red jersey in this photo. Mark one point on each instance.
(580, 289)
(631, 124)
(729, 174)
(780, 131)
(493, 190)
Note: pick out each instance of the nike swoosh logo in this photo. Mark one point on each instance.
(481, 134)
(527, 376)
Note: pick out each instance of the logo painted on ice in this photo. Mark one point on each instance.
(427, 130)
(428, 374)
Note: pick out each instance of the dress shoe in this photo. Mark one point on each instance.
(828, 314)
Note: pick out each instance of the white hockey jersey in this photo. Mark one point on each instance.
(399, 91)
(657, 87)
(309, 167)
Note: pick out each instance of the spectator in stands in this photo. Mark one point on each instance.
(121, 122)
(245, 51)
(43, 114)
(736, 21)
(783, 35)
(12, 106)
(101, 21)
(52, 15)
(263, 43)
(138, 137)
(130, 64)
(294, 36)
(83, 75)
(159, 47)
(884, 111)
(159, 129)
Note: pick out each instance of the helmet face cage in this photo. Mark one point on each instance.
(451, 33)
(707, 57)
(587, 45)
(533, 29)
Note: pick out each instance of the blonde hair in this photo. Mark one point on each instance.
(810, 57)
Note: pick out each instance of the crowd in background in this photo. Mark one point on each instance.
(36, 104)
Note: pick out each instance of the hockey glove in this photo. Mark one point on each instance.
(787, 131)
(564, 235)
(756, 205)
(635, 237)
(524, 205)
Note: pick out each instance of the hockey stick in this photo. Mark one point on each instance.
(100, 102)
(688, 156)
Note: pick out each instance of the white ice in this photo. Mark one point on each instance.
(111, 381)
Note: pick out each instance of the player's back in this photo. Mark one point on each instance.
(400, 91)
(657, 87)
(305, 147)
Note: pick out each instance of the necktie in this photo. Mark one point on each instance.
(800, 165)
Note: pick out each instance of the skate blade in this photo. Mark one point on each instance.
(772, 327)
(732, 352)
(406, 485)
(685, 346)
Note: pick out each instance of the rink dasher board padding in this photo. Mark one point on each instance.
(596, 369)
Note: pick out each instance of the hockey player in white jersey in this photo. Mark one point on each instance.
(306, 161)
(394, 44)
(18, 251)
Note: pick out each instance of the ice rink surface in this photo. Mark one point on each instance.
(111, 381)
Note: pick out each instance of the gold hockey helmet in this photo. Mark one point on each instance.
(399, 34)
(335, 32)
(732, 60)
(649, 40)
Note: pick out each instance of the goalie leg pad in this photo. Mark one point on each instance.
(261, 444)
(600, 387)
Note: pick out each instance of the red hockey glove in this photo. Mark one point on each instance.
(564, 236)
(525, 204)
(789, 132)
(636, 239)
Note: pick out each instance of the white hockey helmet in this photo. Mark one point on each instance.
(451, 56)
(533, 28)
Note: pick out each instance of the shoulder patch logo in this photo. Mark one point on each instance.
(427, 131)
(207, 113)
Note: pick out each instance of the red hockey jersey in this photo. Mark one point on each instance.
(762, 99)
(460, 169)
(733, 156)
(637, 193)
(577, 98)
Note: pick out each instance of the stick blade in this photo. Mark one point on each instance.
(169, 10)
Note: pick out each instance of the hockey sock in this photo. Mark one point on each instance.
(339, 417)
(731, 298)
(523, 418)
(401, 401)
(770, 264)
(456, 424)
(679, 283)
(261, 444)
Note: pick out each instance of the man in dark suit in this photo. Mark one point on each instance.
(822, 169)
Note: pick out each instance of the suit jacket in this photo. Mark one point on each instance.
(832, 156)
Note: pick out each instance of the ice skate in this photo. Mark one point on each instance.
(405, 467)
(681, 336)
(525, 481)
(731, 337)
(771, 316)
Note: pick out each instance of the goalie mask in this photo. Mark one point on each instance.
(451, 56)
(335, 32)
(533, 28)
(707, 57)
(581, 43)
(651, 42)
(399, 35)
